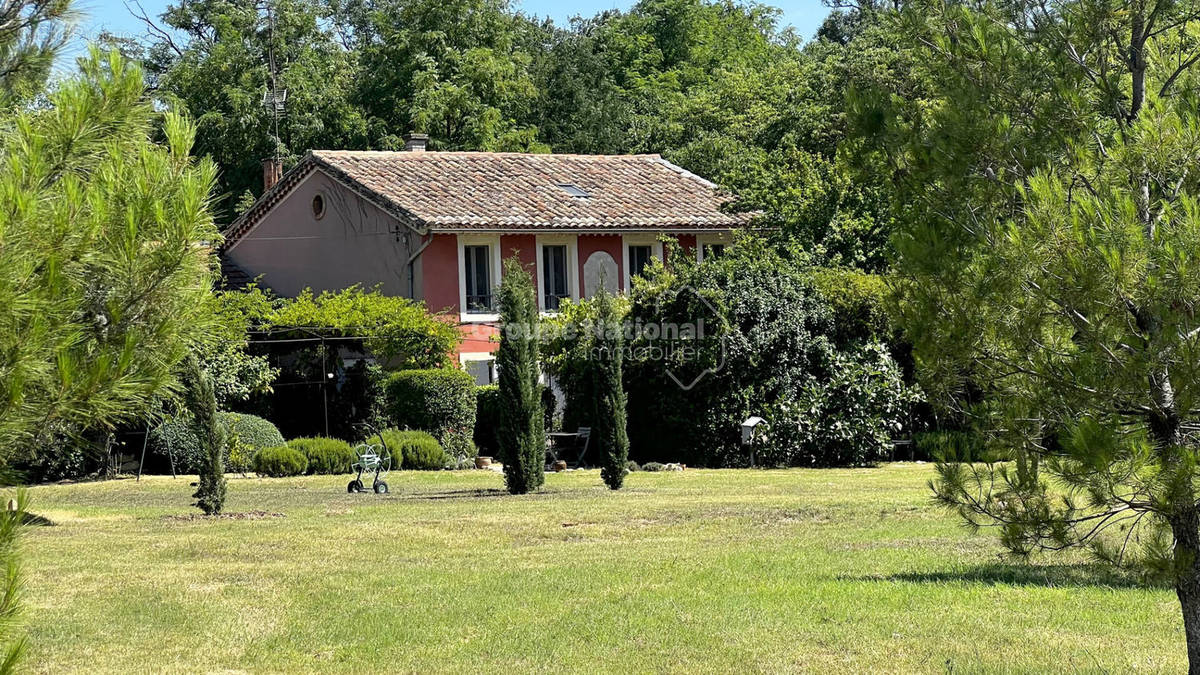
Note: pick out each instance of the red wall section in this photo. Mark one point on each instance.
(439, 273)
(687, 242)
(610, 243)
(523, 246)
(477, 337)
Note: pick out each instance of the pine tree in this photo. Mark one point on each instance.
(1049, 262)
(521, 435)
(609, 435)
(202, 405)
(105, 276)
(12, 523)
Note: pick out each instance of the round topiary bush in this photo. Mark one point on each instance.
(245, 435)
(417, 450)
(279, 462)
(440, 401)
(325, 455)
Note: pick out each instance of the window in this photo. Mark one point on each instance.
(477, 264)
(318, 206)
(555, 281)
(483, 370)
(639, 258)
(713, 250)
(573, 190)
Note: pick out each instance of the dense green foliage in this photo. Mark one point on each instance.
(487, 418)
(280, 462)
(325, 347)
(402, 334)
(103, 285)
(440, 401)
(521, 436)
(324, 455)
(178, 440)
(211, 435)
(413, 450)
(849, 419)
(830, 393)
(955, 446)
(247, 434)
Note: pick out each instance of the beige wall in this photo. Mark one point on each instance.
(354, 243)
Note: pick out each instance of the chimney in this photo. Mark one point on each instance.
(272, 172)
(415, 142)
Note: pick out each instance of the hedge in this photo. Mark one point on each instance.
(440, 401)
(325, 455)
(176, 439)
(415, 450)
(487, 418)
(956, 446)
(279, 462)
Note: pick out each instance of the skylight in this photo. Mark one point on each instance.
(573, 190)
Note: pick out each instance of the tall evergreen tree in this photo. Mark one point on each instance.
(202, 407)
(609, 435)
(522, 434)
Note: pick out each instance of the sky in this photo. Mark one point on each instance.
(111, 15)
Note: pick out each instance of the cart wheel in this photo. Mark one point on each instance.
(381, 488)
(354, 486)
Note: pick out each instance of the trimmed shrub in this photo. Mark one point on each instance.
(440, 401)
(176, 440)
(245, 435)
(256, 432)
(325, 455)
(416, 450)
(632, 466)
(279, 462)
(653, 466)
(487, 418)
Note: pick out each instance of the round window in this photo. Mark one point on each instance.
(318, 206)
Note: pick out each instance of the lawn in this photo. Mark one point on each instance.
(736, 570)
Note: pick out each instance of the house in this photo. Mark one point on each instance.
(435, 226)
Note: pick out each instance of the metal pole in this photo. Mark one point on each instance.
(324, 380)
(145, 439)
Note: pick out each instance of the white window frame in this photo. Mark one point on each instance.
(702, 240)
(572, 244)
(465, 240)
(465, 357)
(651, 240)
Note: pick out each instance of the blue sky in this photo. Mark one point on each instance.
(112, 15)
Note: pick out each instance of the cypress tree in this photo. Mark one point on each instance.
(521, 435)
(609, 435)
(202, 404)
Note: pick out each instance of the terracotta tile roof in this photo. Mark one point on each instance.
(514, 191)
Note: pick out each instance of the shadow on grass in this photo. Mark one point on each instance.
(457, 494)
(1022, 574)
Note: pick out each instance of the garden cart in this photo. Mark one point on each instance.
(371, 458)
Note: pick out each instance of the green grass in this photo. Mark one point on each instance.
(802, 570)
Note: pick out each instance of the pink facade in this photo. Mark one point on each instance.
(587, 244)
(439, 273)
(524, 246)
